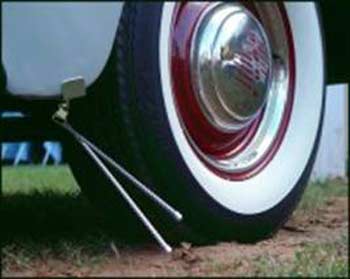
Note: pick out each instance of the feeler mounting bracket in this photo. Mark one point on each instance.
(73, 88)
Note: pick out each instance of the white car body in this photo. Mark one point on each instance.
(45, 43)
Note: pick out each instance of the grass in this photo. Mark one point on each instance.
(320, 260)
(319, 193)
(45, 216)
(32, 180)
(324, 260)
(43, 204)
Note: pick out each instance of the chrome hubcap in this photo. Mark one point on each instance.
(233, 69)
(231, 65)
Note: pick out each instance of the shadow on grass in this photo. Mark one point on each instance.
(50, 218)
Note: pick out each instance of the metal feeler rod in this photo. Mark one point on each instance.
(168, 208)
(129, 200)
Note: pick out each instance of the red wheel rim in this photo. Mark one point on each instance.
(204, 137)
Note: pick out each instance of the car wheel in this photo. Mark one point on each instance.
(219, 106)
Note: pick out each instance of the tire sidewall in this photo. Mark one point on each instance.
(165, 159)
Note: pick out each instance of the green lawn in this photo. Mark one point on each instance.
(46, 216)
(29, 180)
(328, 259)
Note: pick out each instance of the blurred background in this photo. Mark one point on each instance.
(19, 153)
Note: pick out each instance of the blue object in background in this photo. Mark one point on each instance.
(53, 150)
(15, 152)
(21, 151)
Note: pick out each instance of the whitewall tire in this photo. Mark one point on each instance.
(242, 189)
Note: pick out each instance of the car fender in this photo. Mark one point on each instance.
(45, 43)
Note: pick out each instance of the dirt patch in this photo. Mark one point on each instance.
(228, 258)
(327, 224)
(60, 235)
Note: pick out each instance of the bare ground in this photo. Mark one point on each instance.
(324, 225)
(328, 224)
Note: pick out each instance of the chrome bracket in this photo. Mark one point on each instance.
(75, 88)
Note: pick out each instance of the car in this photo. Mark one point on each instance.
(216, 106)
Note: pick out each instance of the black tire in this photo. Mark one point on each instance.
(128, 119)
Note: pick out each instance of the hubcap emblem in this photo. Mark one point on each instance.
(230, 66)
